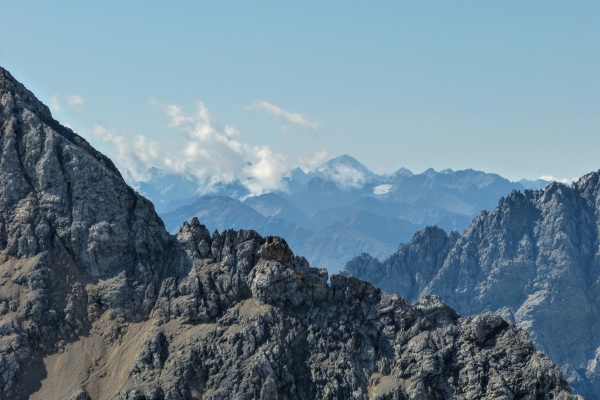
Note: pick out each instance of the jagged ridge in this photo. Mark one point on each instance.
(98, 301)
(534, 259)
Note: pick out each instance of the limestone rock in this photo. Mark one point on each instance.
(98, 301)
(534, 260)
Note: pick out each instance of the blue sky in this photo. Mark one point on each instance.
(502, 86)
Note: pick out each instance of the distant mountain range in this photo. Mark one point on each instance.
(534, 259)
(338, 210)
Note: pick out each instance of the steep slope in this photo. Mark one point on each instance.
(99, 302)
(75, 240)
(534, 259)
(411, 268)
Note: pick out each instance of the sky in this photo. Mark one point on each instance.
(247, 90)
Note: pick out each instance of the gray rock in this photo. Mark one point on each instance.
(98, 301)
(534, 260)
(75, 240)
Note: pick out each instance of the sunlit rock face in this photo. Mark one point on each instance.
(534, 260)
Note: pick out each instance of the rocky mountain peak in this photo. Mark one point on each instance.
(411, 267)
(533, 259)
(14, 97)
(20, 106)
(276, 249)
(75, 240)
(589, 187)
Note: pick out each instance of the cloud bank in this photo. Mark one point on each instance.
(209, 153)
(286, 117)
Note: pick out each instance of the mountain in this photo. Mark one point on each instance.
(465, 192)
(346, 172)
(411, 268)
(80, 251)
(275, 205)
(340, 193)
(385, 210)
(169, 191)
(165, 188)
(534, 260)
(420, 212)
(329, 247)
(97, 300)
(386, 230)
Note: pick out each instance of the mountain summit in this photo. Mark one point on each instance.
(534, 259)
(97, 301)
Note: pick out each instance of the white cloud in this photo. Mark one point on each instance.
(346, 177)
(127, 158)
(381, 189)
(266, 174)
(54, 103)
(208, 153)
(312, 161)
(75, 101)
(72, 101)
(285, 116)
(551, 178)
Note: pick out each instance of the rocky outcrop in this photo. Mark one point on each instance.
(287, 334)
(97, 301)
(75, 240)
(411, 268)
(534, 260)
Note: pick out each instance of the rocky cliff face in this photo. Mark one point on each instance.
(534, 259)
(97, 301)
(75, 240)
(412, 267)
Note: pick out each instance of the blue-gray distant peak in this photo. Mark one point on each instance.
(346, 172)
(154, 171)
(297, 174)
(403, 172)
(347, 161)
(430, 172)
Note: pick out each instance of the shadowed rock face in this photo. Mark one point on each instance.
(534, 260)
(97, 301)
